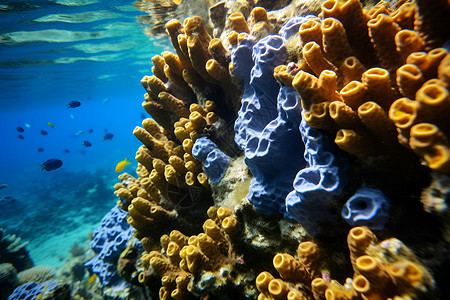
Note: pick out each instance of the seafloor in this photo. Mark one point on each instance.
(295, 150)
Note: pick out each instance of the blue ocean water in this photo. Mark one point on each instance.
(51, 53)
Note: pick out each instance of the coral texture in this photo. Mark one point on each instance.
(108, 242)
(215, 161)
(13, 250)
(8, 280)
(340, 113)
(267, 125)
(367, 207)
(196, 263)
(381, 271)
(49, 290)
(318, 183)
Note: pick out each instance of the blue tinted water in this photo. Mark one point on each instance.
(53, 52)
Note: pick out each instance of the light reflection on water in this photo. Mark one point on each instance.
(49, 41)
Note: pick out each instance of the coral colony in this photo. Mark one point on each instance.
(274, 130)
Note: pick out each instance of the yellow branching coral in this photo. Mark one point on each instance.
(186, 259)
(293, 271)
(380, 65)
(381, 271)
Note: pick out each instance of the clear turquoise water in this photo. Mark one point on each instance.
(53, 52)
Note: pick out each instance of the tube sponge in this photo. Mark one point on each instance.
(367, 207)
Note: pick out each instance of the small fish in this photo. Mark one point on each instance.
(3, 186)
(143, 116)
(40, 149)
(105, 100)
(43, 132)
(51, 125)
(27, 125)
(73, 104)
(19, 129)
(51, 164)
(121, 165)
(92, 279)
(108, 136)
(79, 132)
(91, 130)
(72, 116)
(87, 143)
(66, 151)
(21, 137)
(177, 2)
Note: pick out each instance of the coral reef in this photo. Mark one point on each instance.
(8, 280)
(382, 270)
(337, 110)
(56, 290)
(14, 251)
(220, 260)
(109, 240)
(198, 262)
(37, 274)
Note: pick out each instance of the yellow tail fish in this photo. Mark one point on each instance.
(122, 164)
(91, 279)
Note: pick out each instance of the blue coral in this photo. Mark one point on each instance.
(267, 124)
(316, 185)
(215, 161)
(274, 156)
(367, 207)
(216, 164)
(30, 291)
(109, 240)
(202, 147)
